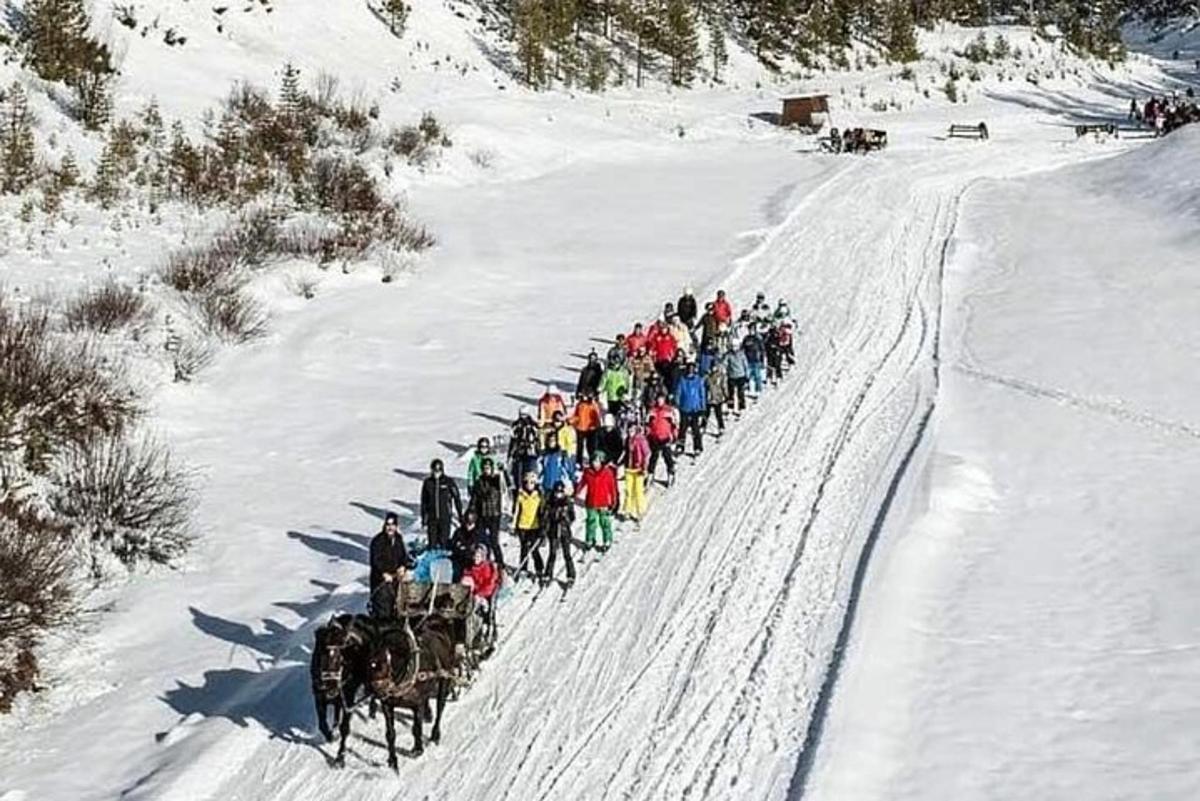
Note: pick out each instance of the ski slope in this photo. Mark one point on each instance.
(689, 662)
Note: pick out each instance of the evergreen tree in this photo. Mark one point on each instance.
(680, 42)
(289, 91)
(561, 37)
(641, 20)
(58, 48)
(106, 185)
(531, 29)
(597, 68)
(67, 174)
(53, 31)
(718, 52)
(153, 132)
(18, 164)
(901, 34)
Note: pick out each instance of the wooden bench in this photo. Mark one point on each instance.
(979, 131)
(1106, 129)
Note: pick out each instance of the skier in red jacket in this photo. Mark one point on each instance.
(662, 428)
(721, 309)
(599, 484)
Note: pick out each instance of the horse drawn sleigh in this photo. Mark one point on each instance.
(854, 140)
(426, 651)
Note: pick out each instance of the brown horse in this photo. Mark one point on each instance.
(408, 668)
(339, 671)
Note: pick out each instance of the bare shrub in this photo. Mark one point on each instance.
(191, 355)
(204, 268)
(302, 286)
(53, 392)
(254, 237)
(342, 186)
(483, 158)
(124, 498)
(233, 316)
(34, 591)
(419, 144)
(106, 308)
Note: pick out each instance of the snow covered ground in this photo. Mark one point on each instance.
(689, 663)
(1031, 626)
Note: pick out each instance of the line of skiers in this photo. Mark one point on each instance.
(657, 387)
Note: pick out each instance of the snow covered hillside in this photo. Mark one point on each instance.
(953, 296)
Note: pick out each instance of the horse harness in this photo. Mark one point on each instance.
(414, 676)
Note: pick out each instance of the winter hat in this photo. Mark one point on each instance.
(599, 456)
(391, 517)
(522, 411)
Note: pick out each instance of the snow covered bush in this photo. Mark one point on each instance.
(190, 355)
(419, 144)
(55, 392)
(34, 591)
(232, 315)
(106, 308)
(125, 498)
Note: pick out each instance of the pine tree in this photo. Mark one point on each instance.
(18, 164)
(53, 30)
(717, 49)
(58, 48)
(562, 17)
(901, 33)
(153, 132)
(531, 29)
(680, 41)
(67, 174)
(289, 91)
(106, 185)
(597, 68)
(641, 19)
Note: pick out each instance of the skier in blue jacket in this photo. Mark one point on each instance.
(557, 466)
(691, 398)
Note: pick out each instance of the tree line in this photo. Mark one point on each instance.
(592, 43)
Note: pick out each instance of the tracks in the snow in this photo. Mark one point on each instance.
(697, 654)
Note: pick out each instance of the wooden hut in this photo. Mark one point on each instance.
(809, 111)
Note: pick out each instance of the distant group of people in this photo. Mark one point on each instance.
(1163, 115)
(658, 388)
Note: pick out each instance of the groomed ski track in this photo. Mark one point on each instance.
(687, 664)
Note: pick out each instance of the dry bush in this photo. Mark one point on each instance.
(190, 356)
(54, 392)
(124, 498)
(34, 592)
(302, 286)
(205, 268)
(106, 308)
(233, 316)
(341, 186)
(254, 237)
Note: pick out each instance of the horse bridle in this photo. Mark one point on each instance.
(335, 679)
